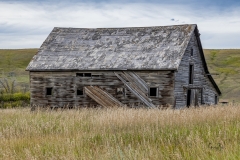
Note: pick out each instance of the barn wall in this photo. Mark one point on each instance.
(208, 92)
(65, 85)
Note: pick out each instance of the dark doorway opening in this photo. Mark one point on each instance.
(189, 97)
(190, 74)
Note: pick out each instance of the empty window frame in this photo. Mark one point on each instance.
(80, 74)
(84, 74)
(153, 91)
(87, 74)
(49, 91)
(191, 51)
(80, 92)
(191, 69)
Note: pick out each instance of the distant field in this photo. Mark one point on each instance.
(121, 133)
(13, 63)
(226, 63)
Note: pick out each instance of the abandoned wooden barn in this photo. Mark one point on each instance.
(137, 66)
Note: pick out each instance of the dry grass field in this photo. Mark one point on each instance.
(121, 133)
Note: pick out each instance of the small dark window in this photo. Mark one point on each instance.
(83, 74)
(192, 52)
(87, 74)
(79, 74)
(80, 92)
(191, 74)
(48, 91)
(153, 92)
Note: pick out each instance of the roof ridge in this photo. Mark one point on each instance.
(124, 27)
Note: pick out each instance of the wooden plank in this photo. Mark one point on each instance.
(102, 97)
(135, 90)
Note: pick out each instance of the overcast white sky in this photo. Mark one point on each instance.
(26, 24)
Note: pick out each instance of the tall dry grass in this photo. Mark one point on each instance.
(120, 133)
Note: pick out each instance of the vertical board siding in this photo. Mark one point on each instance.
(199, 77)
(65, 85)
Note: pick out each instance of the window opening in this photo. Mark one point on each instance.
(153, 92)
(48, 91)
(79, 92)
(79, 74)
(84, 74)
(88, 74)
(191, 74)
(192, 52)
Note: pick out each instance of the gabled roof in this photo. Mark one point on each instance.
(197, 34)
(135, 48)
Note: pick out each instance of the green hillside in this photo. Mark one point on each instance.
(226, 63)
(13, 63)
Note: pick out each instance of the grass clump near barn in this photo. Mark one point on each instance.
(120, 133)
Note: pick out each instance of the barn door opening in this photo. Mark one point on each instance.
(192, 97)
(191, 69)
(189, 93)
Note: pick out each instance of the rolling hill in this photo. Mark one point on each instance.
(224, 64)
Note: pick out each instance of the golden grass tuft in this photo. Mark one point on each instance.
(121, 133)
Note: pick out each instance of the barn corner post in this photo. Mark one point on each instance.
(120, 67)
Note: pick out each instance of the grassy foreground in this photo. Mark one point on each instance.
(202, 133)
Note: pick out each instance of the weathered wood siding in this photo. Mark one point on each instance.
(65, 85)
(199, 77)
